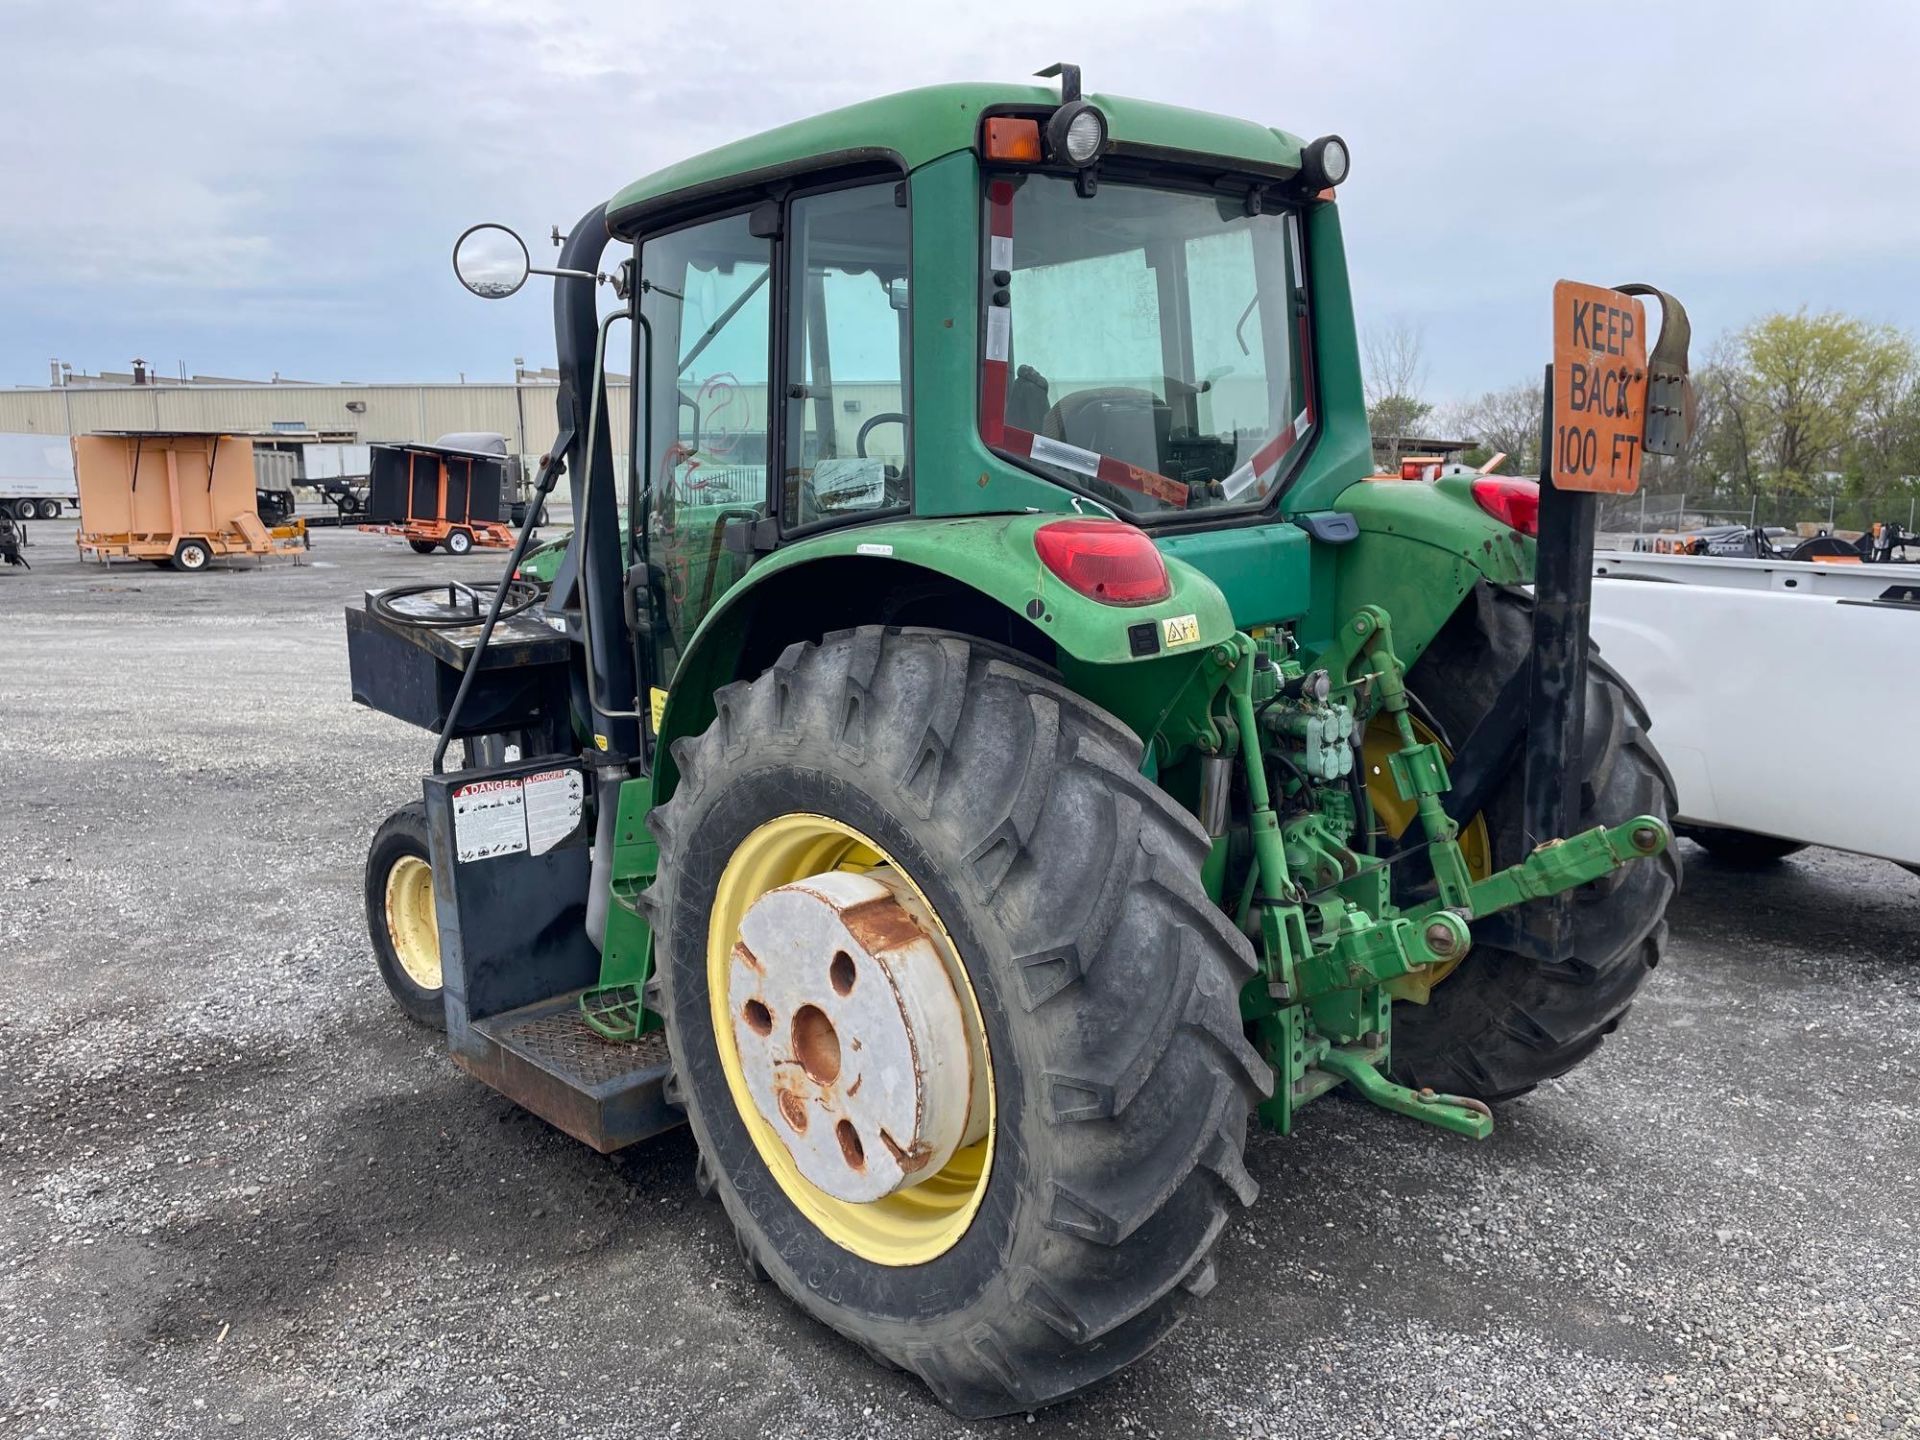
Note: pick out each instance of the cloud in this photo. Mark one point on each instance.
(274, 186)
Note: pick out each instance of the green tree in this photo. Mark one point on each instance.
(1801, 387)
(1396, 416)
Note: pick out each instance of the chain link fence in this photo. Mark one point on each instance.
(1652, 513)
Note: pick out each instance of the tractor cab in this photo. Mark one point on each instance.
(987, 739)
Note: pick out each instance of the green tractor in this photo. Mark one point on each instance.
(992, 737)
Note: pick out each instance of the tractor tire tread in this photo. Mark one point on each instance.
(1503, 1022)
(1086, 875)
(404, 832)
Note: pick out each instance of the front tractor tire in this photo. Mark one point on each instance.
(1505, 1020)
(401, 921)
(1100, 982)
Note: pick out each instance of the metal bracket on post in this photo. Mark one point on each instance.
(1557, 684)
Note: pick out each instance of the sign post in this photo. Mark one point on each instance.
(1592, 427)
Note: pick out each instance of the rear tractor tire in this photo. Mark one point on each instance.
(1505, 1021)
(939, 826)
(401, 920)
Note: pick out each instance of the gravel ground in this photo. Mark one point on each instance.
(239, 1194)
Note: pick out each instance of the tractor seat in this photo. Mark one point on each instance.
(1113, 420)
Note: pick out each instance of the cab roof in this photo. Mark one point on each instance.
(918, 126)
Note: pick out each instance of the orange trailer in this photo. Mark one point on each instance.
(438, 495)
(177, 499)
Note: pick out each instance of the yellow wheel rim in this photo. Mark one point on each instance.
(1395, 815)
(412, 925)
(911, 1226)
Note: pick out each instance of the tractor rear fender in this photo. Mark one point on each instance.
(1422, 546)
(975, 575)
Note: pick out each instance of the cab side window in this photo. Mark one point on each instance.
(707, 300)
(847, 452)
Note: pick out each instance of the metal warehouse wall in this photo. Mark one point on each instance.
(387, 413)
(419, 413)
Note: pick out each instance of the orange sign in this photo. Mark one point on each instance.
(1599, 388)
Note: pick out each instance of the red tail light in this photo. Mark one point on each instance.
(1510, 501)
(1106, 560)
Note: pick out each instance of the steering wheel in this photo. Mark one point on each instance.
(883, 418)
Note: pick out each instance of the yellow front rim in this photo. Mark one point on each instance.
(412, 925)
(1395, 815)
(911, 1226)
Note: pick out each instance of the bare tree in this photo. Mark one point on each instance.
(1394, 365)
(1503, 421)
(1395, 362)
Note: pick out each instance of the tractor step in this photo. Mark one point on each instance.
(544, 1056)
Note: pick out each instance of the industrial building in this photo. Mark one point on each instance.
(390, 413)
(522, 409)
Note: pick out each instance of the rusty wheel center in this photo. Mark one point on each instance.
(852, 1040)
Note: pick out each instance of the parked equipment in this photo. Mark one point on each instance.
(12, 540)
(36, 477)
(176, 499)
(347, 496)
(438, 497)
(274, 474)
(967, 802)
(518, 487)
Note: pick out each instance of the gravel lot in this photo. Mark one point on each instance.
(240, 1194)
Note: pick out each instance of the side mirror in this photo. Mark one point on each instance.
(897, 293)
(491, 261)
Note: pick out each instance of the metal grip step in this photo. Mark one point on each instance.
(545, 1057)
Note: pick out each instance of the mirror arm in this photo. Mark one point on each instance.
(566, 274)
(578, 345)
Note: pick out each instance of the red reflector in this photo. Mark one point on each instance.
(1106, 560)
(1510, 501)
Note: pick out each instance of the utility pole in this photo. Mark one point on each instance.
(520, 408)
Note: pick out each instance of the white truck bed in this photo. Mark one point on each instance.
(1784, 700)
(1804, 577)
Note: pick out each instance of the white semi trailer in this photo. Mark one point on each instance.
(36, 476)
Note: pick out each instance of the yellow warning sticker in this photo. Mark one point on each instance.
(1179, 630)
(657, 701)
(601, 741)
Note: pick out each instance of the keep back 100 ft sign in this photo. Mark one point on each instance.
(1599, 388)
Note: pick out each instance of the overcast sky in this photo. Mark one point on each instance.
(252, 188)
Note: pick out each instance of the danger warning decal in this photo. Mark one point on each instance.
(529, 814)
(489, 818)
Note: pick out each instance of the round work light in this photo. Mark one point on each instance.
(1325, 162)
(1077, 133)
